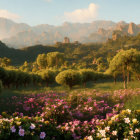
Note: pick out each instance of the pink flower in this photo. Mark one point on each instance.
(13, 129)
(21, 114)
(65, 106)
(42, 135)
(21, 132)
(31, 99)
(89, 99)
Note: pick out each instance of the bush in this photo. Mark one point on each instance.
(87, 75)
(48, 77)
(0, 86)
(36, 79)
(32, 128)
(69, 78)
(3, 76)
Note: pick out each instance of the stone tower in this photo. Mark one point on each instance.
(66, 40)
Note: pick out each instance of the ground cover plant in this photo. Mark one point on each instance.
(77, 115)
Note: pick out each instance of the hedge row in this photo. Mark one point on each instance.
(14, 78)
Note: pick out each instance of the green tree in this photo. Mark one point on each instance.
(42, 60)
(0, 86)
(55, 59)
(69, 78)
(87, 75)
(114, 74)
(124, 61)
(36, 79)
(48, 77)
(4, 62)
(3, 76)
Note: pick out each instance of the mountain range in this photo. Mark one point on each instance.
(19, 35)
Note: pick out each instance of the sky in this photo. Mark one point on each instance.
(56, 12)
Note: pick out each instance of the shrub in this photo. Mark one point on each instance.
(48, 77)
(69, 78)
(36, 79)
(87, 75)
(3, 76)
(27, 128)
(0, 86)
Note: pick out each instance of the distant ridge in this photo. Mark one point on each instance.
(19, 35)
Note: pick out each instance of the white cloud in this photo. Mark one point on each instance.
(82, 15)
(9, 15)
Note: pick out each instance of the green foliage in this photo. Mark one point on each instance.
(1, 86)
(69, 78)
(26, 67)
(4, 62)
(78, 54)
(55, 59)
(36, 79)
(48, 77)
(42, 60)
(125, 62)
(87, 75)
(3, 74)
(123, 59)
(16, 78)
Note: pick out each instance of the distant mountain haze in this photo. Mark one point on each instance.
(9, 28)
(19, 35)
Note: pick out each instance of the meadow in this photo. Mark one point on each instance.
(100, 111)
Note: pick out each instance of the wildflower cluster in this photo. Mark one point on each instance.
(57, 116)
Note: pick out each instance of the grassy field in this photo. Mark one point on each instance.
(106, 86)
(134, 103)
(96, 101)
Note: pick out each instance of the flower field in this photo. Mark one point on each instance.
(57, 116)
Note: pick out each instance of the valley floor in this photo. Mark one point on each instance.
(100, 111)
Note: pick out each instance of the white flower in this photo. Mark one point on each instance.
(107, 128)
(137, 130)
(32, 126)
(114, 133)
(126, 120)
(128, 110)
(90, 138)
(42, 135)
(102, 132)
(21, 132)
(13, 129)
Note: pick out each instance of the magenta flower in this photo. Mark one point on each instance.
(42, 135)
(21, 132)
(13, 129)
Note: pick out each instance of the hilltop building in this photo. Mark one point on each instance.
(66, 40)
(77, 43)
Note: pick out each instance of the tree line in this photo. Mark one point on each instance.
(16, 78)
(125, 63)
